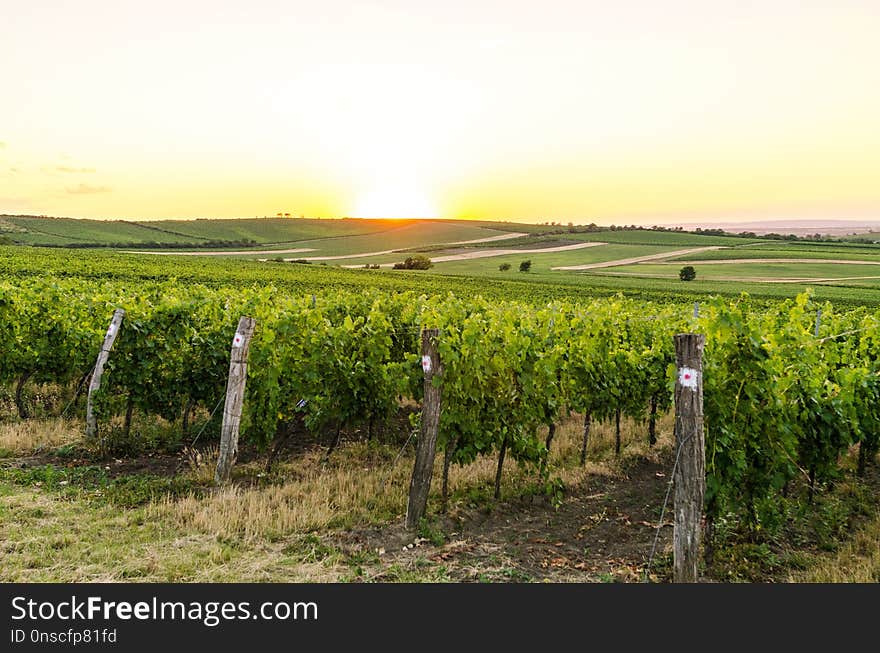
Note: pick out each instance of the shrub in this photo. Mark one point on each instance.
(504, 267)
(417, 262)
(687, 273)
(525, 266)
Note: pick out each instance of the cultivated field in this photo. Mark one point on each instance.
(320, 488)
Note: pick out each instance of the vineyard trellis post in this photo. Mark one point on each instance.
(426, 445)
(690, 467)
(97, 373)
(234, 399)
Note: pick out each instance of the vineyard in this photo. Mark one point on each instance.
(789, 388)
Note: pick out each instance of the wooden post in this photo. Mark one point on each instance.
(95, 383)
(234, 399)
(420, 484)
(690, 470)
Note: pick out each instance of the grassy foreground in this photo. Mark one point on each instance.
(154, 516)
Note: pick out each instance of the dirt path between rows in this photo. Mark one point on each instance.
(637, 259)
(603, 531)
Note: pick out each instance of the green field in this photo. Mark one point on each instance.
(281, 232)
(758, 271)
(68, 231)
(765, 250)
(291, 520)
(542, 263)
(489, 265)
(331, 244)
(403, 236)
(537, 286)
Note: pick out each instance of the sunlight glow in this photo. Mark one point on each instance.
(573, 110)
(391, 201)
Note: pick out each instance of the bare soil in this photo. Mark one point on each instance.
(604, 530)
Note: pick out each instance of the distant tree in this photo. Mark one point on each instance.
(525, 266)
(504, 267)
(687, 273)
(417, 262)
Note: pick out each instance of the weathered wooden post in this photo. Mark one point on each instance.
(95, 383)
(690, 470)
(234, 399)
(420, 484)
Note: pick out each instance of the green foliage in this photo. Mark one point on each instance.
(781, 404)
(431, 532)
(504, 267)
(93, 483)
(687, 273)
(525, 266)
(416, 262)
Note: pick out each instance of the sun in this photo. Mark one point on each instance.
(392, 201)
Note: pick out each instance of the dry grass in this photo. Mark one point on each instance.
(359, 485)
(258, 529)
(202, 463)
(261, 529)
(857, 561)
(45, 539)
(33, 435)
(312, 497)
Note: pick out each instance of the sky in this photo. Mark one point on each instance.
(633, 111)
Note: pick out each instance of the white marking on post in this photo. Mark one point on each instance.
(426, 364)
(237, 340)
(688, 377)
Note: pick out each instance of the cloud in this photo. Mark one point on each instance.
(86, 189)
(74, 170)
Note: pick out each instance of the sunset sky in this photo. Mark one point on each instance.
(624, 111)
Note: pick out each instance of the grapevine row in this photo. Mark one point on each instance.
(782, 402)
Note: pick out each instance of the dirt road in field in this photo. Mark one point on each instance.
(299, 250)
(489, 253)
(490, 239)
(741, 279)
(772, 260)
(636, 259)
